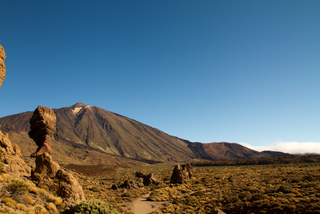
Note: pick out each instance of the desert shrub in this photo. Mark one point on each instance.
(95, 189)
(258, 196)
(198, 193)
(51, 207)
(218, 177)
(160, 186)
(18, 185)
(127, 195)
(9, 202)
(34, 190)
(94, 206)
(231, 197)
(28, 200)
(154, 196)
(308, 178)
(56, 200)
(43, 191)
(191, 200)
(285, 189)
(6, 177)
(38, 209)
(21, 207)
(1, 166)
(177, 201)
(245, 196)
(230, 178)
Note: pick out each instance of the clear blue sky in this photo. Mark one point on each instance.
(206, 71)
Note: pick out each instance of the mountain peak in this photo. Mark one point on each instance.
(79, 105)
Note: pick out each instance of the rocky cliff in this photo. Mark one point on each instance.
(2, 66)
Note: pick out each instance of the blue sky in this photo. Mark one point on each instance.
(206, 71)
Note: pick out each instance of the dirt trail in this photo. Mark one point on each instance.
(142, 206)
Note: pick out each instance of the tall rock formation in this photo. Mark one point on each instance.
(2, 66)
(9, 152)
(43, 129)
(49, 174)
(181, 174)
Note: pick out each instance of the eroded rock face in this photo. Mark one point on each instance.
(181, 174)
(49, 174)
(133, 184)
(2, 66)
(141, 180)
(43, 129)
(10, 155)
(148, 179)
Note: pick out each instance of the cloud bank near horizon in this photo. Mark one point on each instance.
(289, 147)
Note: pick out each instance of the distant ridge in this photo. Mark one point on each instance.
(91, 135)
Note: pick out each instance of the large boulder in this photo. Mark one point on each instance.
(10, 155)
(2, 66)
(141, 180)
(148, 179)
(48, 173)
(43, 129)
(181, 174)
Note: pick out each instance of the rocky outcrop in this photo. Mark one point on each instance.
(49, 174)
(141, 180)
(43, 129)
(10, 155)
(148, 179)
(181, 174)
(132, 184)
(2, 66)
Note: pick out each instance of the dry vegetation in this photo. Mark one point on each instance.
(273, 188)
(22, 196)
(269, 188)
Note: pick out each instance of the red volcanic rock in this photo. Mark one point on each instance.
(43, 129)
(2, 66)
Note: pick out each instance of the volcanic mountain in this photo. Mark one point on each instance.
(91, 135)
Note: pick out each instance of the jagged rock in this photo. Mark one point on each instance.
(132, 184)
(43, 129)
(147, 179)
(49, 174)
(2, 66)
(141, 180)
(181, 174)
(10, 155)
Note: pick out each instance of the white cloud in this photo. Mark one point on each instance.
(289, 147)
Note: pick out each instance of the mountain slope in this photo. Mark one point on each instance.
(89, 134)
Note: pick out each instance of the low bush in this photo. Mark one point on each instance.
(9, 202)
(154, 196)
(18, 185)
(94, 206)
(1, 166)
(285, 189)
(95, 189)
(28, 200)
(56, 200)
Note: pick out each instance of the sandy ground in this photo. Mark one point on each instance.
(142, 206)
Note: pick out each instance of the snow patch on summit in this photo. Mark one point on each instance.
(76, 110)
